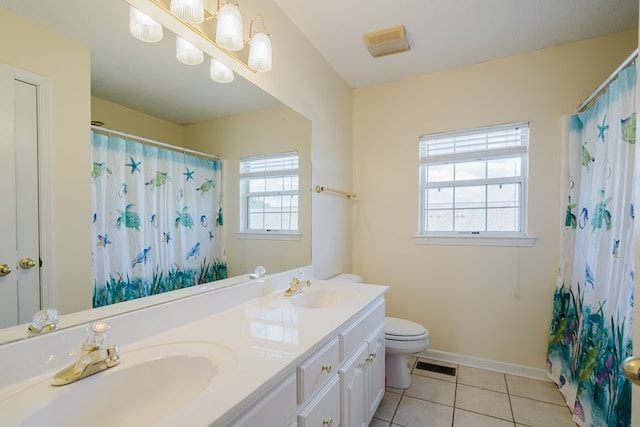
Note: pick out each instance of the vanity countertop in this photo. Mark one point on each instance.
(256, 343)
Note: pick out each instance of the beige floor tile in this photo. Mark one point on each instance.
(463, 418)
(545, 391)
(540, 414)
(420, 413)
(484, 402)
(451, 378)
(395, 390)
(378, 423)
(388, 406)
(431, 389)
(482, 378)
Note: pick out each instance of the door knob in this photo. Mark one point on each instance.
(27, 263)
(4, 270)
(631, 369)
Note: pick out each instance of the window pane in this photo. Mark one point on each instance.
(470, 220)
(440, 198)
(440, 173)
(503, 219)
(471, 170)
(470, 197)
(274, 184)
(257, 185)
(504, 195)
(440, 220)
(256, 221)
(501, 168)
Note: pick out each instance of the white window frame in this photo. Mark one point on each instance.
(451, 153)
(270, 171)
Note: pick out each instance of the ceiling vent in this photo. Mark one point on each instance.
(386, 42)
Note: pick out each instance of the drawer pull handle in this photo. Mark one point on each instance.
(327, 368)
(328, 422)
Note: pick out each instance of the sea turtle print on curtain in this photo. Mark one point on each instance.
(590, 332)
(155, 220)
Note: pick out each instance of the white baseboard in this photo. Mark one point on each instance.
(490, 365)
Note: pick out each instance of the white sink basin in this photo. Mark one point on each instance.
(148, 385)
(325, 297)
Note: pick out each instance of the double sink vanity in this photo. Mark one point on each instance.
(241, 355)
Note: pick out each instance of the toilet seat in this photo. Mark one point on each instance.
(403, 330)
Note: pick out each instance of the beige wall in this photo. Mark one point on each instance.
(464, 295)
(267, 131)
(126, 120)
(66, 64)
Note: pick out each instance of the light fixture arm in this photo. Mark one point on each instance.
(258, 16)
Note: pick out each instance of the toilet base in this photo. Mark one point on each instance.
(398, 370)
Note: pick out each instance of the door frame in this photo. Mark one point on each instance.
(45, 184)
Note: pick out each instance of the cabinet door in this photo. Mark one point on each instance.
(354, 381)
(377, 371)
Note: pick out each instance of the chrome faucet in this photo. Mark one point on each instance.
(94, 357)
(297, 283)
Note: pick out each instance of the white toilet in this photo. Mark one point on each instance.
(403, 338)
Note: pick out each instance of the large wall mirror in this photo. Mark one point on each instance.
(141, 89)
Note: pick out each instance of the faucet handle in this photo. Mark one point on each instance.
(298, 276)
(45, 320)
(96, 335)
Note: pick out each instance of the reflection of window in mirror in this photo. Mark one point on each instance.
(269, 193)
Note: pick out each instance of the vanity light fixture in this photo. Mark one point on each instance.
(219, 72)
(187, 53)
(259, 47)
(228, 36)
(191, 11)
(229, 27)
(144, 28)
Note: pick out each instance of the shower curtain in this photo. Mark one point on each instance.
(590, 333)
(157, 220)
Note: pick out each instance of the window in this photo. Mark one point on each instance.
(269, 193)
(473, 182)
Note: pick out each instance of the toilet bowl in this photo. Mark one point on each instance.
(403, 338)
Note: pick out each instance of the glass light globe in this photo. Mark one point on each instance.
(188, 53)
(229, 30)
(260, 52)
(144, 28)
(191, 11)
(219, 72)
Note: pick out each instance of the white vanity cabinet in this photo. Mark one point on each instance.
(277, 408)
(350, 394)
(362, 373)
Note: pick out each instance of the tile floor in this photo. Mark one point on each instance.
(472, 398)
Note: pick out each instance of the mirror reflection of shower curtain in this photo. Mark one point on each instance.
(590, 332)
(157, 220)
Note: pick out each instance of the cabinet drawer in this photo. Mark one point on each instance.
(361, 328)
(317, 369)
(324, 409)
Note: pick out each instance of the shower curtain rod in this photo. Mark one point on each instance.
(103, 130)
(603, 87)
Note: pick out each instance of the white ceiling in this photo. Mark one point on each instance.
(446, 34)
(443, 34)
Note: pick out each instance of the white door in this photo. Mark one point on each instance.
(19, 245)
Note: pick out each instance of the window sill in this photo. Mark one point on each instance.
(267, 235)
(469, 240)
